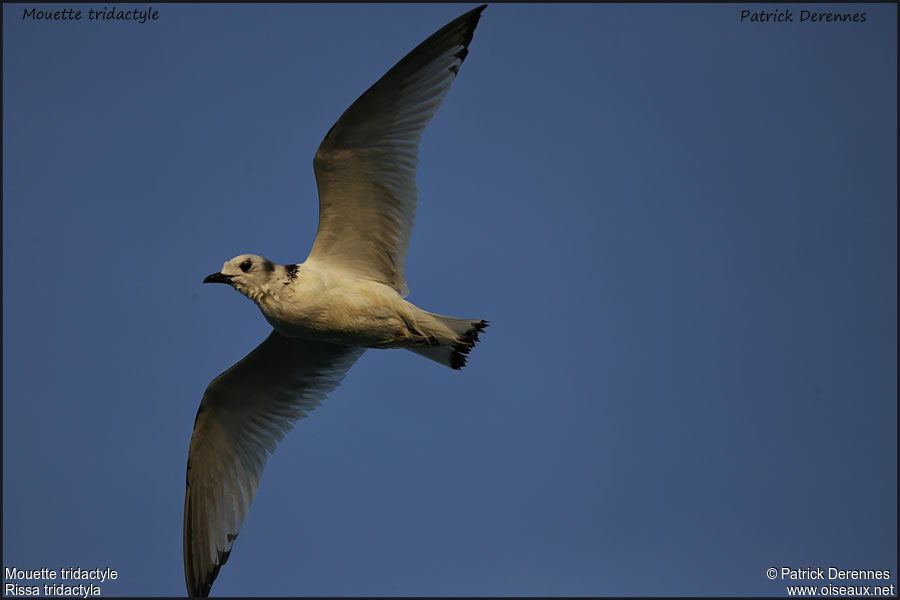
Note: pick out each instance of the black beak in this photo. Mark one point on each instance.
(218, 278)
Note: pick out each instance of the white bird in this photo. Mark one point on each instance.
(347, 296)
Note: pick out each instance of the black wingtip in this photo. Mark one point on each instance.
(474, 15)
(471, 19)
(204, 589)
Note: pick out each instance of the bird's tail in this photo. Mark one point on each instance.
(452, 351)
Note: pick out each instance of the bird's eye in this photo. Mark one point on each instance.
(245, 266)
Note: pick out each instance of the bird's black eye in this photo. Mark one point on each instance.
(245, 266)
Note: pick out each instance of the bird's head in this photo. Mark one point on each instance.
(247, 273)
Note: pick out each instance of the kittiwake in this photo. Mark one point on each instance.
(347, 296)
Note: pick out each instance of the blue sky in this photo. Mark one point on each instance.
(681, 227)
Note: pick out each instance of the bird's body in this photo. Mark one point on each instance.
(326, 306)
(349, 295)
(303, 301)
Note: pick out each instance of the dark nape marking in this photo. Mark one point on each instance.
(268, 265)
(462, 349)
(291, 271)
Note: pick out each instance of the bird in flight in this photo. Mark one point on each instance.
(347, 296)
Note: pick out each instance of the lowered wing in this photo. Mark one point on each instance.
(244, 413)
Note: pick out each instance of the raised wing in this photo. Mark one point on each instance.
(244, 413)
(366, 165)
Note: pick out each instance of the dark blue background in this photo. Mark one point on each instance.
(682, 228)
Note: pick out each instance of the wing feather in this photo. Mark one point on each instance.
(243, 415)
(366, 165)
